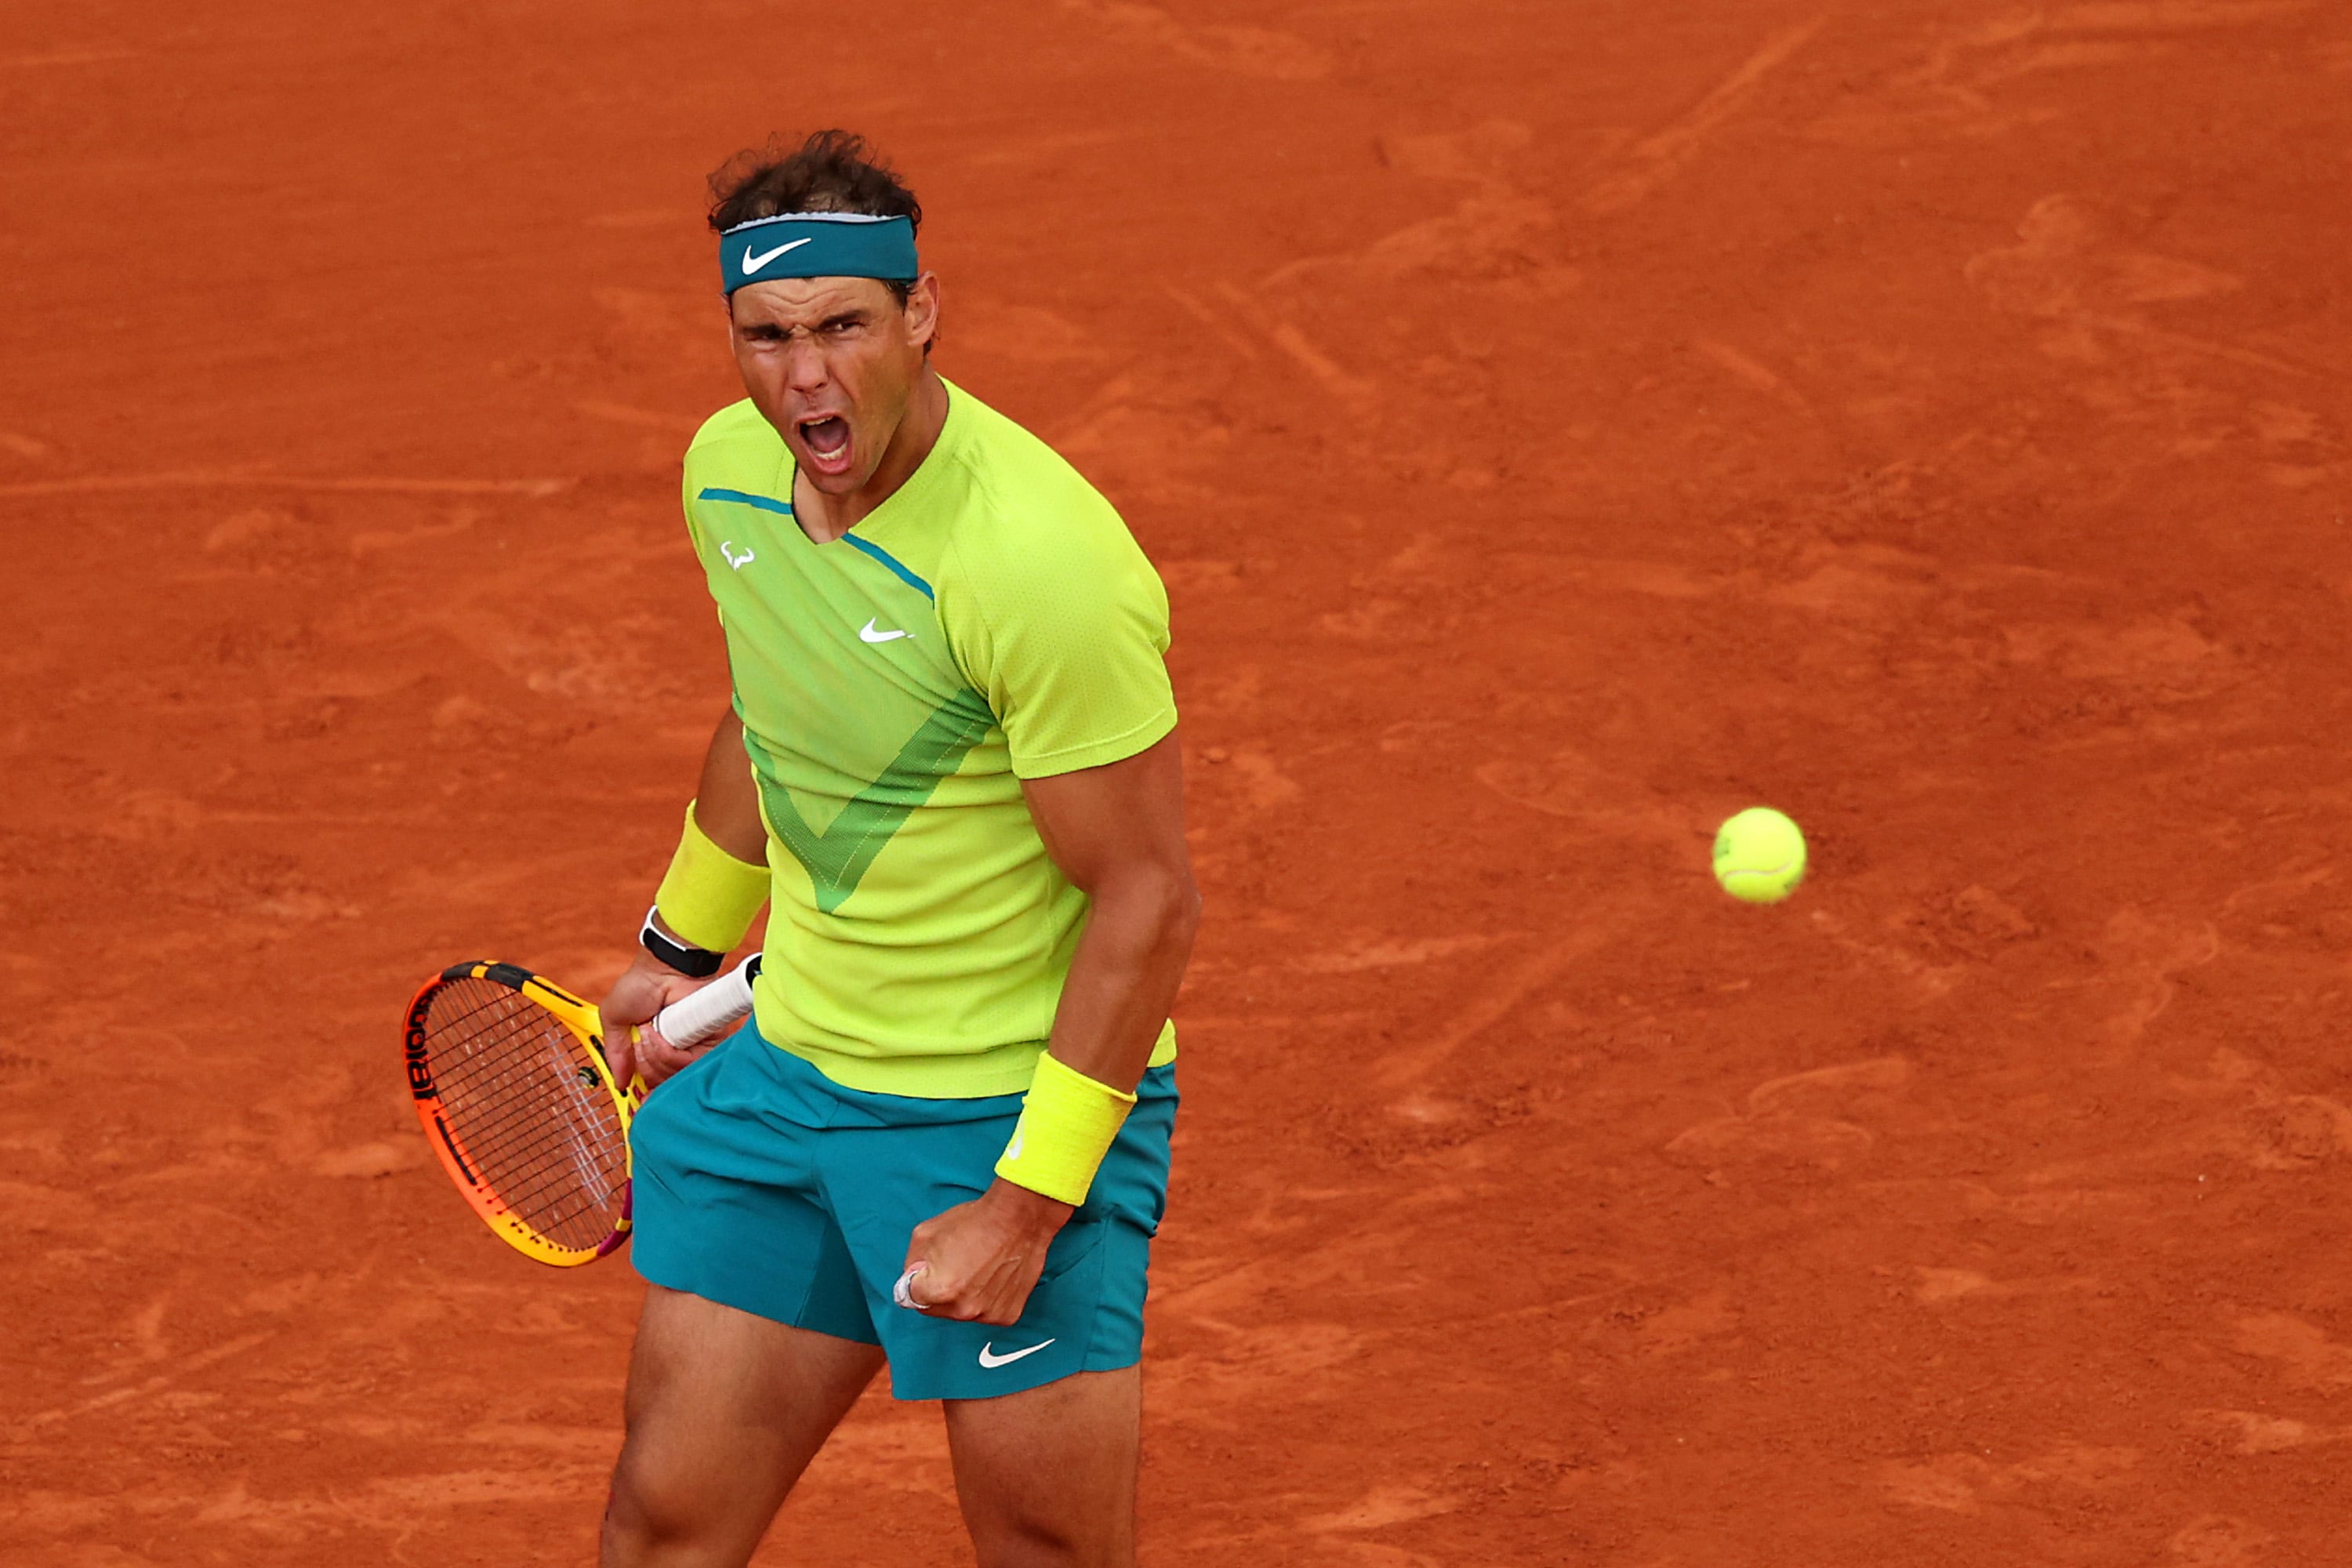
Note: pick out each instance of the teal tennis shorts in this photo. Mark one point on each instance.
(763, 1185)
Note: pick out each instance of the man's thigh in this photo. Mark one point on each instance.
(1046, 1476)
(726, 1197)
(725, 1410)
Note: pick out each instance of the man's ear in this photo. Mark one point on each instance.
(923, 309)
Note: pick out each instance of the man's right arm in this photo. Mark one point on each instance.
(727, 808)
(727, 798)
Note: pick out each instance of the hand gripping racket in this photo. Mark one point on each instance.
(510, 1077)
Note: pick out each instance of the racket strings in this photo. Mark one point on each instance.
(528, 1110)
(550, 1151)
(540, 1137)
(523, 1123)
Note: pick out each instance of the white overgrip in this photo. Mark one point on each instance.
(698, 1019)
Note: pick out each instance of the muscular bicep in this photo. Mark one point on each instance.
(1122, 817)
(726, 798)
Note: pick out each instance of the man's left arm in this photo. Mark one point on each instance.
(1118, 832)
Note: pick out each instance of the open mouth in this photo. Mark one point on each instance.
(828, 440)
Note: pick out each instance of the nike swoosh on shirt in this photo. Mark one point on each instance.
(991, 1362)
(753, 263)
(867, 633)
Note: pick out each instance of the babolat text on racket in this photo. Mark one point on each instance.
(508, 1073)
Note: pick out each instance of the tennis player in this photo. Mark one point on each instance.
(950, 768)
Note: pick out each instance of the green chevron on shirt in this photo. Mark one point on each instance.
(836, 858)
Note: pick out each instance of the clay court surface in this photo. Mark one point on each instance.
(1558, 426)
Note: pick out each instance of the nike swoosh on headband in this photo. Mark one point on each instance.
(753, 263)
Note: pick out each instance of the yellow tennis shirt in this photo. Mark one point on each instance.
(992, 621)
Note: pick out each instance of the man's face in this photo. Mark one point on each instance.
(833, 363)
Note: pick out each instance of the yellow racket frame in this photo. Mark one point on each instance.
(578, 1017)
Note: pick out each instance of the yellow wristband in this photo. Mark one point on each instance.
(709, 897)
(1066, 1126)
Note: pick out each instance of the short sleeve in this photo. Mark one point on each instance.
(686, 491)
(1064, 631)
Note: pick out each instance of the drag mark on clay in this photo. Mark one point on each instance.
(1285, 336)
(1495, 232)
(1244, 50)
(1384, 1506)
(1801, 1117)
(1749, 371)
(2257, 1433)
(1291, 342)
(1362, 956)
(1658, 157)
(1407, 1064)
(2304, 1353)
(156, 1385)
(1340, 1264)
(2174, 16)
(65, 58)
(147, 1336)
(1954, 87)
(1940, 1285)
(2220, 1540)
(2146, 957)
(208, 479)
(2067, 266)
(2250, 358)
(1963, 1483)
(1241, 346)
(643, 418)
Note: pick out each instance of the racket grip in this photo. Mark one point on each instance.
(695, 1020)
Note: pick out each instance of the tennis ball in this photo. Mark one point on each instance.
(1760, 856)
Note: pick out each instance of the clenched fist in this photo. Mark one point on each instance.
(978, 1262)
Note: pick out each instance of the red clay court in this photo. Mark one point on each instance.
(1558, 427)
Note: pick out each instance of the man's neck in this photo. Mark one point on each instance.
(825, 518)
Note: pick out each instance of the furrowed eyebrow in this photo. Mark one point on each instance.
(840, 319)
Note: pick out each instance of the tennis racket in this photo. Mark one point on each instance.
(508, 1073)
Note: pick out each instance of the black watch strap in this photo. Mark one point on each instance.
(695, 962)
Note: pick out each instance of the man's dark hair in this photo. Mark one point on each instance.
(828, 171)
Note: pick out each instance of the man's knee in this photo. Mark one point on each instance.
(654, 1506)
(1038, 1542)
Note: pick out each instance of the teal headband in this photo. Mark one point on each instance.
(817, 245)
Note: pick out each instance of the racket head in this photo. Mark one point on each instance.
(507, 1072)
